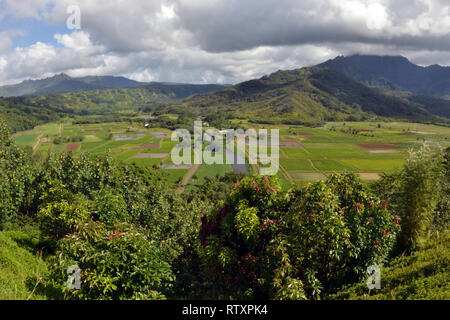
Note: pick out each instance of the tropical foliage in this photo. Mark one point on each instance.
(129, 234)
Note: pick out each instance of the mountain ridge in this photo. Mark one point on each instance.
(305, 95)
(63, 83)
(394, 73)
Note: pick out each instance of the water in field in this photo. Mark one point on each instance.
(125, 137)
(238, 165)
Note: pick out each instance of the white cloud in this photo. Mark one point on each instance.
(143, 76)
(79, 42)
(6, 38)
(25, 8)
(222, 40)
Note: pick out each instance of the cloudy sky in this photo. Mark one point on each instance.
(211, 41)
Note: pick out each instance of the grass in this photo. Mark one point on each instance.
(208, 171)
(297, 165)
(375, 165)
(20, 267)
(175, 175)
(425, 274)
(331, 165)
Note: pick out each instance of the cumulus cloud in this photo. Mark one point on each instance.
(222, 41)
(6, 38)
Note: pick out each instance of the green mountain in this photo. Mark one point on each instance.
(304, 95)
(394, 73)
(62, 83)
(24, 112)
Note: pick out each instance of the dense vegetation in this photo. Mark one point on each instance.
(25, 112)
(304, 96)
(422, 275)
(134, 237)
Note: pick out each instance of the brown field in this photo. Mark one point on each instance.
(302, 133)
(290, 144)
(377, 145)
(72, 147)
(308, 176)
(379, 151)
(143, 146)
(176, 167)
(369, 175)
(150, 155)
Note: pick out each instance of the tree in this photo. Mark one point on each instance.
(414, 193)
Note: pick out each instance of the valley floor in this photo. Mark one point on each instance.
(306, 154)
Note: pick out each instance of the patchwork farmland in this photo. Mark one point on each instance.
(306, 154)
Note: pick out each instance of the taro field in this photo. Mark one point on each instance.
(306, 154)
(365, 148)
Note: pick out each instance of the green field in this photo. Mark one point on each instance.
(306, 154)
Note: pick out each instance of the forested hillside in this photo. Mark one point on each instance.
(25, 112)
(305, 95)
(300, 96)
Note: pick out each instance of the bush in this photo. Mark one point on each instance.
(336, 230)
(109, 207)
(239, 250)
(61, 210)
(261, 243)
(117, 262)
(16, 175)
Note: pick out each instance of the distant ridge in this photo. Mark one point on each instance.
(311, 95)
(394, 73)
(62, 83)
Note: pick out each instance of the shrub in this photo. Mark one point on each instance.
(261, 243)
(319, 237)
(16, 175)
(58, 218)
(117, 262)
(109, 207)
(441, 214)
(371, 222)
(240, 249)
(336, 230)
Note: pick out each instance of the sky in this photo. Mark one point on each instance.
(211, 41)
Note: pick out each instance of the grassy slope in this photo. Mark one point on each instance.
(20, 266)
(425, 274)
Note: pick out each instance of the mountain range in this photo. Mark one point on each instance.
(62, 83)
(308, 95)
(394, 73)
(356, 88)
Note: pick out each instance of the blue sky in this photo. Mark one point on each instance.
(34, 30)
(220, 41)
